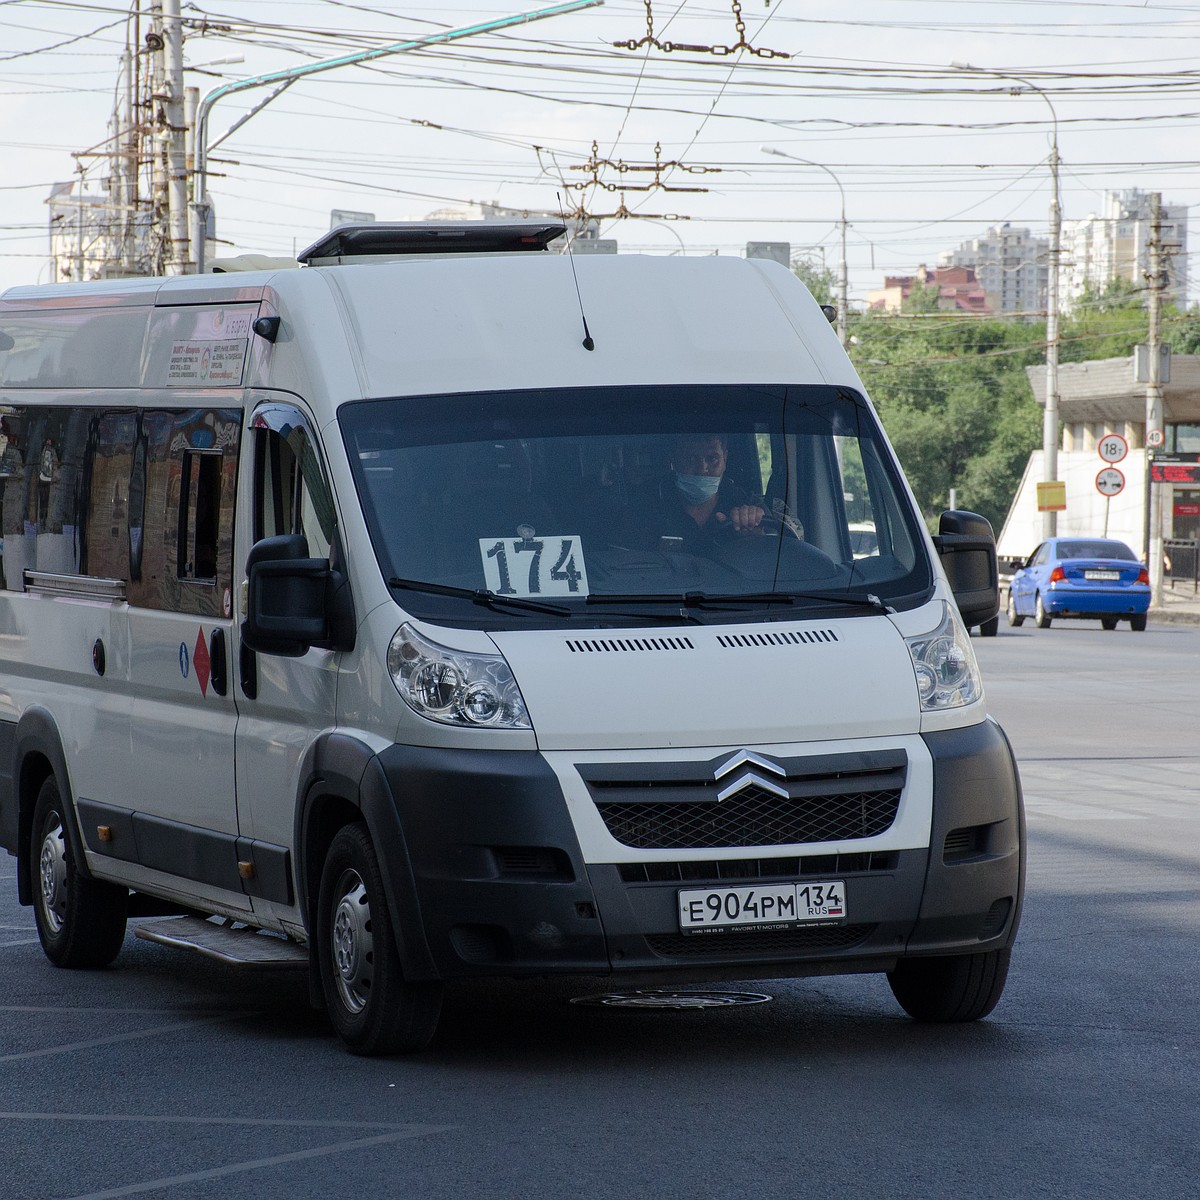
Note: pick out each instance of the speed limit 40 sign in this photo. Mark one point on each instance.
(1112, 447)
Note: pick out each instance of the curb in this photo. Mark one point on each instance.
(1167, 616)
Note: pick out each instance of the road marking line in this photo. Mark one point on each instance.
(159, 1119)
(116, 1037)
(152, 1185)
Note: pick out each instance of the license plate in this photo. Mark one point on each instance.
(1102, 574)
(770, 906)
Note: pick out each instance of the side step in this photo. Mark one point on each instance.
(227, 941)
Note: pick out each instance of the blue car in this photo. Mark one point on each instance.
(1090, 578)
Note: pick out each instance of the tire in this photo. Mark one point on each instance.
(990, 628)
(1108, 622)
(1014, 618)
(1138, 623)
(80, 922)
(374, 1009)
(951, 990)
(1041, 618)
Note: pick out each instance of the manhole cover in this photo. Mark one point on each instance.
(661, 998)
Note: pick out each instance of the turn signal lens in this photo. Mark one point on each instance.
(1057, 575)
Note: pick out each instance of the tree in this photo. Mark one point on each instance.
(816, 277)
(954, 399)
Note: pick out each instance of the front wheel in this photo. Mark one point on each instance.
(374, 1009)
(950, 990)
(990, 628)
(1014, 618)
(1041, 618)
(80, 921)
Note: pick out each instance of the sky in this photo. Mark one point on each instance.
(929, 121)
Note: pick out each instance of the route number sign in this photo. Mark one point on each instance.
(1109, 481)
(1112, 447)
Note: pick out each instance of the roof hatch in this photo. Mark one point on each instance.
(387, 239)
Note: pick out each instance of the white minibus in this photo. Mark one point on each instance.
(441, 606)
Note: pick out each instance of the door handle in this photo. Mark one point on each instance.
(218, 670)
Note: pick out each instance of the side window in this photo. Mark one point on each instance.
(143, 496)
(290, 491)
(182, 480)
(43, 480)
(1039, 556)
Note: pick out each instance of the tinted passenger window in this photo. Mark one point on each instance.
(142, 497)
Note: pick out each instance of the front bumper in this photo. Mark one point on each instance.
(498, 884)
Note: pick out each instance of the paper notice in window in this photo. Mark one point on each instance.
(215, 353)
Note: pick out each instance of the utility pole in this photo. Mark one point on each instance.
(175, 134)
(1050, 428)
(843, 275)
(1050, 418)
(1155, 278)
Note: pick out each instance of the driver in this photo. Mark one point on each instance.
(695, 502)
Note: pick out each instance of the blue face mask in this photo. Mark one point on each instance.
(697, 489)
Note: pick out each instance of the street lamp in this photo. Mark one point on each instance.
(843, 283)
(1050, 417)
(287, 77)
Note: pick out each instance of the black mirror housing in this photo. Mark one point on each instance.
(967, 547)
(286, 610)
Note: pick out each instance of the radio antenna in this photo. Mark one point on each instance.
(588, 343)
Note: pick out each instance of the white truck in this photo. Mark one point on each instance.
(444, 608)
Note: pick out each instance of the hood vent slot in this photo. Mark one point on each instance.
(627, 645)
(803, 637)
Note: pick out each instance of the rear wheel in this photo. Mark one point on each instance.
(1014, 618)
(989, 628)
(1041, 618)
(1108, 622)
(1138, 623)
(374, 1009)
(960, 987)
(80, 922)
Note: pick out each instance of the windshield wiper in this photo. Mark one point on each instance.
(718, 601)
(690, 599)
(492, 600)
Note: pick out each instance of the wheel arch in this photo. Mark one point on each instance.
(343, 782)
(38, 754)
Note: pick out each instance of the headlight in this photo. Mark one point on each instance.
(947, 673)
(455, 687)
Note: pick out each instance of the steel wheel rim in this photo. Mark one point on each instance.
(353, 943)
(52, 875)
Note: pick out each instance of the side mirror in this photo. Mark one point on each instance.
(967, 547)
(286, 610)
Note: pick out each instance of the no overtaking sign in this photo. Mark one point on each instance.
(1109, 481)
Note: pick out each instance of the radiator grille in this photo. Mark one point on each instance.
(752, 817)
(780, 943)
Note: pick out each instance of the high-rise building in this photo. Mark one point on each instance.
(1012, 266)
(1116, 245)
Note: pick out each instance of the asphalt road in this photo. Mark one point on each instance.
(169, 1076)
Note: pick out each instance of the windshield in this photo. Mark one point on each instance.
(626, 505)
